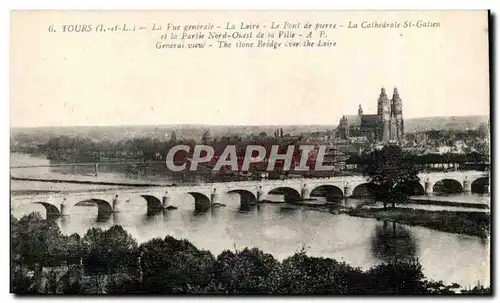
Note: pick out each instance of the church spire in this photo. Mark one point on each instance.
(382, 92)
(396, 102)
(396, 93)
(360, 111)
(382, 104)
(397, 115)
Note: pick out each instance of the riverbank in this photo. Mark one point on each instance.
(428, 201)
(459, 222)
(91, 182)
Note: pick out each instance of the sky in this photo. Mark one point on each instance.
(72, 79)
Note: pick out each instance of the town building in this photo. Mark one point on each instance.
(207, 138)
(386, 126)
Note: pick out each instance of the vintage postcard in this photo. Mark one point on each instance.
(250, 152)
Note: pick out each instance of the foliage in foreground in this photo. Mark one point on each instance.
(112, 262)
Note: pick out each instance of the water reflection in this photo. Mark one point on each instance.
(152, 212)
(52, 216)
(198, 215)
(103, 216)
(118, 219)
(215, 210)
(154, 215)
(391, 241)
(64, 222)
(245, 207)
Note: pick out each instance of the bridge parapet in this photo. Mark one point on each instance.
(160, 197)
(469, 176)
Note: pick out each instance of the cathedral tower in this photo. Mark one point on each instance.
(343, 128)
(397, 116)
(383, 116)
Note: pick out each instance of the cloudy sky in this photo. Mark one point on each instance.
(65, 79)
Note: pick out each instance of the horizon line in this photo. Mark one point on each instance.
(220, 125)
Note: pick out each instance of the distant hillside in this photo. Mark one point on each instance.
(448, 123)
(193, 131)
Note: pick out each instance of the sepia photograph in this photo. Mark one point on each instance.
(206, 152)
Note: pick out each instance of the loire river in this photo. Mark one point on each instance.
(280, 231)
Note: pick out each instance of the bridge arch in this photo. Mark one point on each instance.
(330, 192)
(201, 201)
(246, 197)
(413, 189)
(480, 185)
(364, 190)
(50, 209)
(290, 194)
(418, 189)
(103, 206)
(447, 186)
(153, 202)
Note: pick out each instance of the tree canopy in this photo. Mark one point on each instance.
(392, 174)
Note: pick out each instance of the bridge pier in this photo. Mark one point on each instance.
(347, 190)
(428, 187)
(214, 197)
(467, 185)
(165, 200)
(260, 194)
(117, 204)
(306, 193)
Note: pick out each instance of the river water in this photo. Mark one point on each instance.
(277, 230)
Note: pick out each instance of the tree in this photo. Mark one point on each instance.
(302, 274)
(107, 251)
(124, 284)
(434, 134)
(397, 277)
(393, 177)
(243, 271)
(20, 283)
(483, 130)
(72, 246)
(174, 266)
(36, 241)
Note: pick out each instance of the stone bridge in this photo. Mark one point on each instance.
(250, 192)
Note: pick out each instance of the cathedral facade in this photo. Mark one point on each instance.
(386, 126)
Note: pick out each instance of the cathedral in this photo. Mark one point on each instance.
(386, 126)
